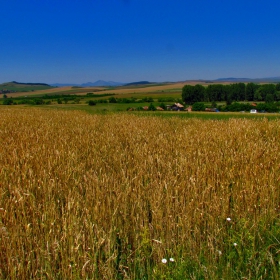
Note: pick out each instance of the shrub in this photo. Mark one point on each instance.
(66, 99)
(163, 106)
(198, 106)
(38, 101)
(102, 101)
(237, 107)
(166, 99)
(268, 107)
(152, 107)
(269, 98)
(147, 99)
(8, 101)
(91, 103)
(112, 100)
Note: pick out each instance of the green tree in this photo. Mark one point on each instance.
(214, 104)
(238, 92)
(112, 100)
(188, 94)
(266, 89)
(192, 94)
(250, 91)
(77, 100)
(199, 93)
(91, 103)
(216, 93)
(258, 95)
(8, 101)
(163, 106)
(277, 95)
(147, 99)
(152, 107)
(269, 98)
(198, 106)
(38, 101)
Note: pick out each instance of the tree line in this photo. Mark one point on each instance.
(230, 93)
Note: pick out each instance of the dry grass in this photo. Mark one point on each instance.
(148, 89)
(60, 90)
(121, 90)
(107, 197)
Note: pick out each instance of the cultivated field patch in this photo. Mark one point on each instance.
(121, 196)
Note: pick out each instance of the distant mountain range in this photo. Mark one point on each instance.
(269, 79)
(28, 84)
(139, 83)
(99, 83)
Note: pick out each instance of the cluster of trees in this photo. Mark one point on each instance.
(130, 100)
(260, 107)
(151, 107)
(123, 100)
(113, 99)
(49, 98)
(38, 101)
(170, 99)
(91, 103)
(239, 107)
(35, 101)
(230, 93)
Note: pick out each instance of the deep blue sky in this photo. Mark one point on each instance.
(78, 41)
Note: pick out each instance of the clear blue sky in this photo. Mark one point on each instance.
(76, 41)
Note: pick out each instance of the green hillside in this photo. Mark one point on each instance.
(22, 87)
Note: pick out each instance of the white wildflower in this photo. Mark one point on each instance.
(172, 260)
(164, 260)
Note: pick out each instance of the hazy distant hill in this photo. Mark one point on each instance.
(258, 80)
(233, 79)
(139, 83)
(28, 84)
(22, 87)
(99, 83)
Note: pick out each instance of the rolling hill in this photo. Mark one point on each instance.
(22, 87)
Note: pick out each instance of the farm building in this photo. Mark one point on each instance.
(177, 107)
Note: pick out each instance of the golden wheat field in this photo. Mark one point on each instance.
(123, 196)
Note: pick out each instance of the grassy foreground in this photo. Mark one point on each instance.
(110, 196)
